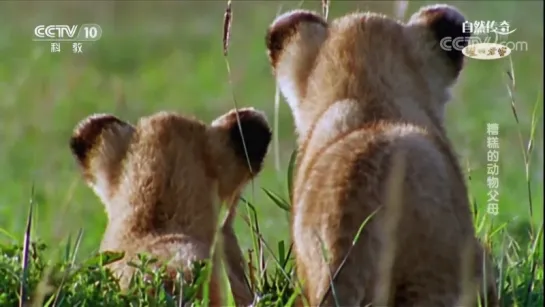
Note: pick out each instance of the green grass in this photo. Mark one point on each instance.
(168, 55)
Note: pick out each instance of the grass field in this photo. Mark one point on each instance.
(159, 55)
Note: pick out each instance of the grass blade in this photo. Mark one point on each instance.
(26, 250)
(291, 167)
(356, 237)
(325, 8)
(277, 199)
(511, 87)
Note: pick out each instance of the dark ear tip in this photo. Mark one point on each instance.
(446, 22)
(86, 134)
(284, 27)
(253, 144)
(79, 148)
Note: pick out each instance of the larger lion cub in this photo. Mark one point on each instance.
(365, 89)
(162, 181)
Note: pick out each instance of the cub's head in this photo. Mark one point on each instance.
(169, 169)
(366, 57)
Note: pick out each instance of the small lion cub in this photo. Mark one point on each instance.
(162, 180)
(367, 94)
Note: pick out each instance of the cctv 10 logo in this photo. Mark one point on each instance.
(59, 33)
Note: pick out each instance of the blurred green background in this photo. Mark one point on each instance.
(167, 55)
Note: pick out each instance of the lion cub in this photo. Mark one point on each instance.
(365, 89)
(162, 180)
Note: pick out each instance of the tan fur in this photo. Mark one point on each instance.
(364, 89)
(162, 181)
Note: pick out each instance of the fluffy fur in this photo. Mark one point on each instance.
(367, 95)
(162, 180)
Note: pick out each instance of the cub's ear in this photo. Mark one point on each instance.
(249, 146)
(293, 41)
(99, 144)
(445, 24)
